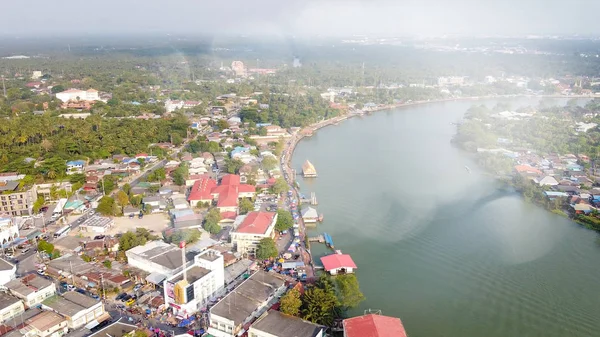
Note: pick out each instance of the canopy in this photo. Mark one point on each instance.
(156, 278)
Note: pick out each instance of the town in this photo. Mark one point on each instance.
(135, 206)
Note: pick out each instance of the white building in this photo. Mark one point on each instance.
(253, 228)
(158, 258)
(277, 324)
(10, 307)
(450, 80)
(97, 224)
(171, 106)
(32, 289)
(36, 74)
(79, 310)
(248, 301)
(45, 324)
(8, 271)
(204, 279)
(8, 230)
(78, 95)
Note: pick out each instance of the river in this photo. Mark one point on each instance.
(446, 250)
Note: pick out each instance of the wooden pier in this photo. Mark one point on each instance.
(313, 198)
(319, 239)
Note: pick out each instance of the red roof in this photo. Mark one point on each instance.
(202, 189)
(256, 223)
(228, 196)
(228, 215)
(373, 326)
(245, 188)
(230, 179)
(527, 168)
(144, 155)
(335, 261)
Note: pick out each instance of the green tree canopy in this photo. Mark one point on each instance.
(211, 221)
(133, 239)
(106, 206)
(284, 220)
(266, 249)
(280, 186)
(348, 291)
(269, 163)
(320, 303)
(245, 206)
(291, 303)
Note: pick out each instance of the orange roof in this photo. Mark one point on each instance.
(228, 197)
(527, 168)
(256, 223)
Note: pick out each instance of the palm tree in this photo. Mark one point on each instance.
(51, 174)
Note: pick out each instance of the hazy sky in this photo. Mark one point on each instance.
(300, 17)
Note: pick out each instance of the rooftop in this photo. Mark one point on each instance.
(335, 261)
(28, 284)
(373, 326)
(279, 324)
(256, 223)
(245, 299)
(4, 265)
(159, 252)
(45, 320)
(193, 274)
(7, 300)
(117, 329)
(97, 221)
(70, 303)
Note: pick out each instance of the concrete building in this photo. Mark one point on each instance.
(45, 189)
(9, 231)
(158, 258)
(15, 201)
(32, 289)
(204, 280)
(10, 307)
(7, 271)
(255, 227)
(245, 303)
(78, 95)
(97, 224)
(79, 310)
(277, 324)
(45, 324)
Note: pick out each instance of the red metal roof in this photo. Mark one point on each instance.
(373, 326)
(230, 179)
(228, 196)
(228, 215)
(335, 261)
(202, 189)
(256, 223)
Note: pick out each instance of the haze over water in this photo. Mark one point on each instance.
(446, 250)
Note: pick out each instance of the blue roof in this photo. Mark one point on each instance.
(262, 124)
(239, 149)
(76, 163)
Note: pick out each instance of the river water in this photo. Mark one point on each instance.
(446, 250)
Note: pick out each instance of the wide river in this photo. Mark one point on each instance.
(446, 250)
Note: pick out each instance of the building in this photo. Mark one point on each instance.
(158, 258)
(255, 227)
(9, 230)
(338, 263)
(238, 68)
(46, 189)
(7, 271)
(45, 324)
(10, 307)
(309, 215)
(451, 80)
(36, 74)
(276, 131)
(308, 170)
(75, 166)
(14, 200)
(78, 95)
(227, 194)
(189, 292)
(117, 329)
(372, 325)
(277, 324)
(546, 181)
(79, 310)
(245, 303)
(32, 289)
(97, 224)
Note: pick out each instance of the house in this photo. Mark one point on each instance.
(277, 324)
(157, 257)
(97, 224)
(7, 271)
(310, 215)
(154, 201)
(238, 151)
(245, 303)
(227, 194)
(75, 166)
(117, 329)
(78, 95)
(527, 170)
(79, 310)
(45, 324)
(32, 289)
(254, 227)
(10, 307)
(338, 263)
(546, 181)
(372, 325)
(187, 292)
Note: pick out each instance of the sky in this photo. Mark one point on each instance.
(300, 17)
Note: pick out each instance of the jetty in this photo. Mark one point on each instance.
(323, 238)
(308, 170)
(328, 240)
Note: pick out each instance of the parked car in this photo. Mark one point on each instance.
(70, 287)
(24, 250)
(126, 298)
(120, 296)
(130, 301)
(99, 237)
(96, 297)
(81, 291)
(137, 287)
(41, 272)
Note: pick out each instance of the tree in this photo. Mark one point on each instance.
(233, 165)
(126, 188)
(221, 125)
(284, 220)
(134, 239)
(44, 246)
(320, 304)
(266, 249)
(57, 88)
(107, 264)
(188, 235)
(246, 206)
(106, 206)
(122, 199)
(269, 163)
(180, 175)
(211, 221)
(280, 186)
(291, 303)
(348, 290)
(38, 204)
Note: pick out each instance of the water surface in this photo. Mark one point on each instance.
(441, 248)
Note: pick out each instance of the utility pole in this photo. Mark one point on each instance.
(3, 86)
(72, 276)
(102, 285)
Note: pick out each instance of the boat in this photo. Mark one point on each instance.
(320, 218)
(328, 240)
(308, 170)
(467, 168)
